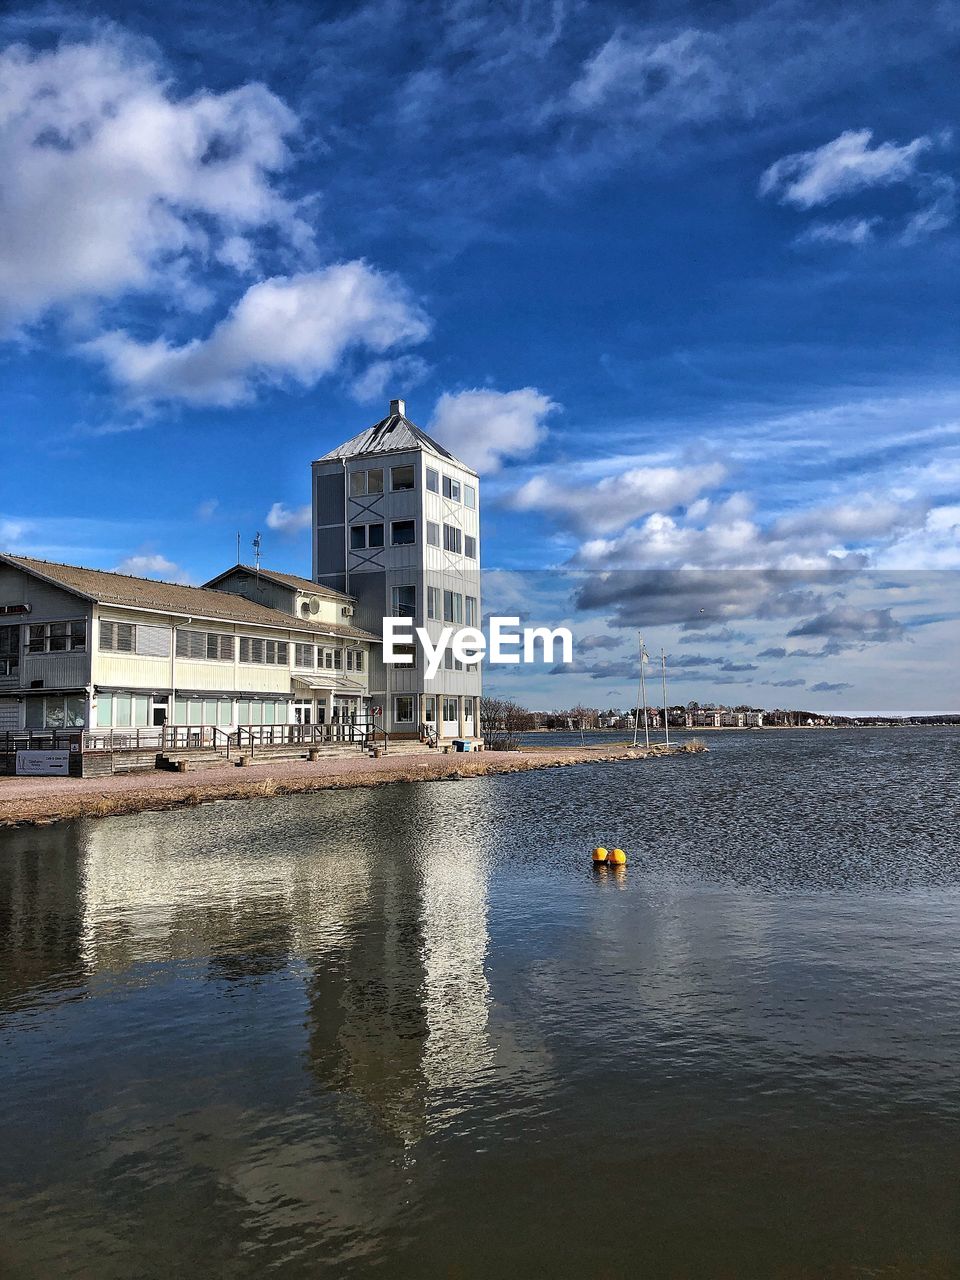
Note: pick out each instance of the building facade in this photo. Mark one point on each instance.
(86, 649)
(396, 525)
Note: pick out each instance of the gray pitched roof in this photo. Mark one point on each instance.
(126, 591)
(285, 580)
(392, 435)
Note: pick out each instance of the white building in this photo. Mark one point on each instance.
(86, 649)
(396, 522)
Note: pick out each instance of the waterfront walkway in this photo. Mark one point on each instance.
(43, 800)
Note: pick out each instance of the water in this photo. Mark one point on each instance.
(410, 1032)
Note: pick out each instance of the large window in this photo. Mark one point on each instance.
(365, 535)
(402, 478)
(433, 602)
(366, 482)
(56, 712)
(469, 547)
(470, 610)
(268, 652)
(403, 533)
(452, 607)
(433, 533)
(404, 601)
(354, 659)
(451, 488)
(333, 659)
(452, 538)
(216, 646)
(304, 655)
(469, 496)
(451, 709)
(450, 662)
(56, 637)
(433, 480)
(117, 637)
(403, 709)
(9, 650)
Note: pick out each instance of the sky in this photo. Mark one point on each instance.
(679, 280)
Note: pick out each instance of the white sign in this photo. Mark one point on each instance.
(44, 763)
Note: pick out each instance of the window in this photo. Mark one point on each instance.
(470, 610)
(401, 478)
(117, 637)
(197, 645)
(304, 655)
(270, 652)
(433, 533)
(452, 607)
(403, 653)
(365, 535)
(354, 659)
(366, 482)
(469, 547)
(452, 538)
(328, 659)
(403, 709)
(9, 650)
(403, 533)
(451, 709)
(451, 489)
(433, 480)
(450, 662)
(404, 602)
(469, 496)
(56, 637)
(57, 713)
(338, 659)
(433, 602)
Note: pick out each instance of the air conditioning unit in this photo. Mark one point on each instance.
(346, 611)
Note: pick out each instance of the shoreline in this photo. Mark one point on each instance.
(44, 801)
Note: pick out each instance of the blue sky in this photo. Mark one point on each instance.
(681, 280)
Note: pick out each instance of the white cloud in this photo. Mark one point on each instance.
(111, 183)
(284, 520)
(485, 428)
(152, 566)
(840, 168)
(403, 373)
(11, 533)
(616, 501)
(855, 231)
(294, 328)
(683, 77)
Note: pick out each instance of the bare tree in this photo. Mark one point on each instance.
(501, 723)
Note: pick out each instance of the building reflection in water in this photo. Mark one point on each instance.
(378, 908)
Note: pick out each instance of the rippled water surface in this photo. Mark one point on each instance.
(411, 1032)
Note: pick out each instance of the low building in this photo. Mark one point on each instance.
(87, 649)
(732, 719)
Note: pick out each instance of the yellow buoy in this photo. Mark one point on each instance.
(617, 857)
(600, 854)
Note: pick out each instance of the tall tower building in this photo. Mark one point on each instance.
(396, 524)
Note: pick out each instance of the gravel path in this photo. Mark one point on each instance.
(45, 800)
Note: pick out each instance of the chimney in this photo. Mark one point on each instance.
(398, 408)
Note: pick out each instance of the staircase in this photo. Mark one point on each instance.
(197, 759)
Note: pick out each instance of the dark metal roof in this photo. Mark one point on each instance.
(393, 434)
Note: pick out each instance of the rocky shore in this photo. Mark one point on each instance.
(40, 801)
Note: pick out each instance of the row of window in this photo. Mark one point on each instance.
(41, 637)
(55, 711)
(219, 646)
(456, 608)
(403, 479)
(309, 657)
(134, 711)
(404, 708)
(403, 533)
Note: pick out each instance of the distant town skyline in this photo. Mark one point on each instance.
(690, 313)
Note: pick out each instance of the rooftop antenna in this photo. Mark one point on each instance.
(256, 554)
(238, 546)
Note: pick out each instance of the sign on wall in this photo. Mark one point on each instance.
(39, 764)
